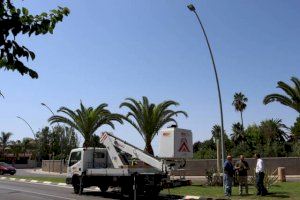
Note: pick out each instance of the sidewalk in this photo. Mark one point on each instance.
(38, 172)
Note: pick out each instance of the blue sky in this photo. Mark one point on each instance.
(106, 51)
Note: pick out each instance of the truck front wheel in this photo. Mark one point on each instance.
(76, 185)
(103, 188)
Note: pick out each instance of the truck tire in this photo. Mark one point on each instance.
(152, 193)
(103, 188)
(76, 185)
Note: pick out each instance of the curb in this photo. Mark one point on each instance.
(32, 181)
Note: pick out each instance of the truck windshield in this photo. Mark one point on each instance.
(75, 157)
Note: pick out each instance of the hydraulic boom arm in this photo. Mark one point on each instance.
(111, 141)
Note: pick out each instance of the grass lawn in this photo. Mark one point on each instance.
(288, 190)
(40, 178)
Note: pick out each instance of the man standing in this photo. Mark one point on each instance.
(260, 175)
(242, 167)
(228, 175)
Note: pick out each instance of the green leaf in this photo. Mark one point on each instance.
(25, 11)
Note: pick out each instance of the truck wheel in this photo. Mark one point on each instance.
(152, 193)
(76, 186)
(103, 188)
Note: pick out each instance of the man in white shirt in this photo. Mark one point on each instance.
(260, 175)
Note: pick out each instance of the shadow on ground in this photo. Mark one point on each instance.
(117, 195)
(278, 195)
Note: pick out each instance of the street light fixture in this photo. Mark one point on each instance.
(192, 8)
(28, 126)
(34, 136)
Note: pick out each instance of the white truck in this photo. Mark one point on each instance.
(119, 164)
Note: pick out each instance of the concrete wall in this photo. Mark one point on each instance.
(198, 167)
(54, 166)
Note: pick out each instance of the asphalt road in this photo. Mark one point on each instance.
(14, 190)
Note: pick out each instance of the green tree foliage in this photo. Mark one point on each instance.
(4, 141)
(16, 148)
(43, 144)
(56, 143)
(87, 120)
(273, 130)
(28, 145)
(295, 130)
(18, 21)
(239, 103)
(292, 98)
(148, 118)
(238, 134)
(205, 150)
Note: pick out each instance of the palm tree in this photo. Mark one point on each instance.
(27, 144)
(87, 120)
(4, 140)
(148, 118)
(238, 134)
(292, 99)
(216, 133)
(273, 130)
(16, 148)
(239, 102)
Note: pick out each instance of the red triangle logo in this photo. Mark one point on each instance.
(183, 146)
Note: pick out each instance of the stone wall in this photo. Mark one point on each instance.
(198, 167)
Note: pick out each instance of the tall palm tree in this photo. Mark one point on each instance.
(4, 140)
(87, 120)
(239, 102)
(292, 97)
(216, 133)
(148, 118)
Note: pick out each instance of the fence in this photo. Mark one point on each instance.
(54, 166)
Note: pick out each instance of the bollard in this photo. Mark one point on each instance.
(281, 174)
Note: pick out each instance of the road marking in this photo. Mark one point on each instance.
(62, 184)
(47, 182)
(33, 181)
(22, 180)
(12, 179)
(38, 193)
(3, 178)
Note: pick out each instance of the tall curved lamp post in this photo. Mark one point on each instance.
(193, 9)
(28, 126)
(61, 147)
(33, 136)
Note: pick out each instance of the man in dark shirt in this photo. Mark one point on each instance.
(228, 175)
(242, 167)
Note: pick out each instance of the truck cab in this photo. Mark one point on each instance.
(81, 159)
